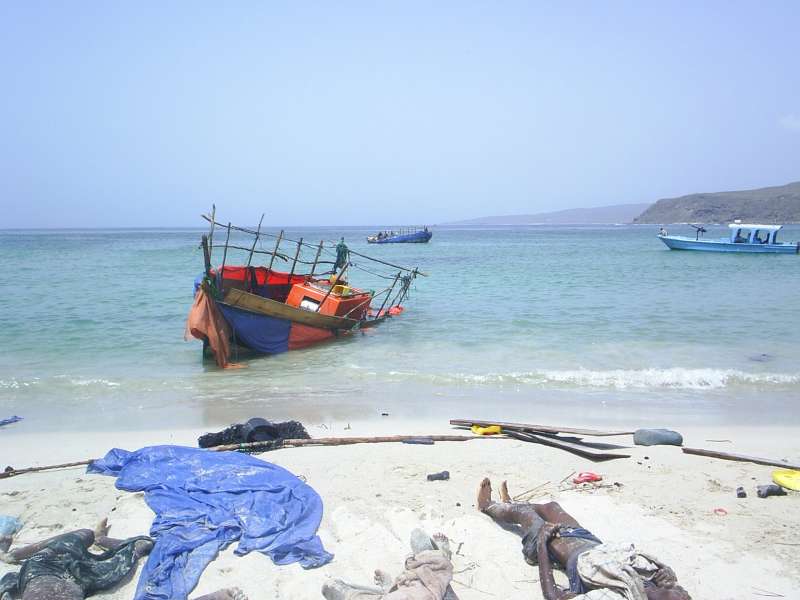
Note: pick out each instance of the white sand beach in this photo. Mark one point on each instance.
(374, 495)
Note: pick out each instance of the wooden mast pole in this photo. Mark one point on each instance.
(225, 254)
(277, 245)
(316, 258)
(296, 254)
(333, 284)
(255, 241)
(206, 255)
(388, 294)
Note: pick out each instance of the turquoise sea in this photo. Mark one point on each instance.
(579, 325)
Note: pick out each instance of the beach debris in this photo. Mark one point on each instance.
(9, 526)
(762, 357)
(740, 457)
(562, 444)
(657, 437)
(423, 441)
(528, 494)
(254, 430)
(587, 477)
(345, 441)
(720, 512)
(210, 500)
(10, 420)
(440, 476)
(787, 478)
(524, 427)
(488, 430)
(770, 489)
(384, 414)
(740, 493)
(252, 447)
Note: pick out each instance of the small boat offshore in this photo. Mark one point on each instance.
(404, 236)
(255, 308)
(744, 237)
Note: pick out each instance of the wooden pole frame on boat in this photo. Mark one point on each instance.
(316, 258)
(353, 252)
(255, 240)
(391, 289)
(206, 253)
(294, 262)
(274, 252)
(211, 231)
(225, 255)
(333, 284)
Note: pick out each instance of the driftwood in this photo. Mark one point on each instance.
(345, 441)
(330, 441)
(770, 462)
(9, 472)
(538, 428)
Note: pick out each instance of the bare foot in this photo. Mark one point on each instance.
(102, 529)
(485, 495)
(383, 580)
(443, 544)
(504, 496)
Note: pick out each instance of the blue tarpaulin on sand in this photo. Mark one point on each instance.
(10, 420)
(205, 500)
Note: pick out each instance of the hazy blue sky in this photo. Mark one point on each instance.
(144, 113)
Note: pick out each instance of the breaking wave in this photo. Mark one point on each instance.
(674, 378)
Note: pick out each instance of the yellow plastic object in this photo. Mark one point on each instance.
(787, 478)
(341, 290)
(490, 430)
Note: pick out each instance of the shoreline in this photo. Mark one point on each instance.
(374, 495)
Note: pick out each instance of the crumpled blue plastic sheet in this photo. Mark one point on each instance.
(205, 500)
(10, 420)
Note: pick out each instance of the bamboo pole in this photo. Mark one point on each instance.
(330, 441)
(14, 472)
(741, 458)
(225, 255)
(385, 300)
(294, 263)
(274, 252)
(206, 254)
(345, 441)
(316, 258)
(211, 231)
(255, 241)
(333, 284)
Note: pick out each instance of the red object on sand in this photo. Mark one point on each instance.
(587, 477)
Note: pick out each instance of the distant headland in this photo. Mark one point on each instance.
(779, 204)
(619, 213)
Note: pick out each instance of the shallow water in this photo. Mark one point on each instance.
(579, 324)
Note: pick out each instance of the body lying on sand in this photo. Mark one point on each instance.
(596, 571)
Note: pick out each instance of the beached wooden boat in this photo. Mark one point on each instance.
(404, 236)
(760, 239)
(266, 311)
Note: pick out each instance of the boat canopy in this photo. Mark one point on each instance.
(754, 226)
(752, 233)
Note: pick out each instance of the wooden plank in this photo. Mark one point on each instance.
(770, 462)
(555, 442)
(271, 308)
(538, 428)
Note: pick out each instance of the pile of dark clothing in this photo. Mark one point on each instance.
(256, 430)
